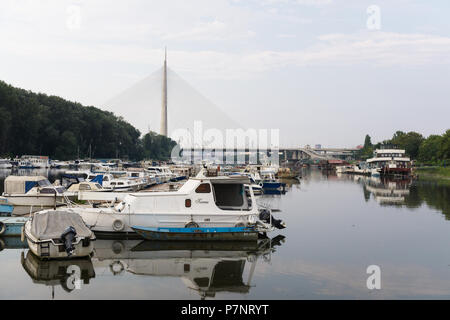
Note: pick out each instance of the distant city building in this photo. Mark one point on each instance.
(318, 146)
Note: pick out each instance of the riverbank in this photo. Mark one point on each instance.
(440, 174)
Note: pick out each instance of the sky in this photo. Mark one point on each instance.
(321, 71)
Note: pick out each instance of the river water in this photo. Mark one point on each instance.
(338, 226)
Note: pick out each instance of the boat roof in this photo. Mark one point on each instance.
(237, 179)
(390, 151)
(24, 178)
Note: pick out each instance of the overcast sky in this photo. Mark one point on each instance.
(321, 71)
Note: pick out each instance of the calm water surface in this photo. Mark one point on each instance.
(337, 227)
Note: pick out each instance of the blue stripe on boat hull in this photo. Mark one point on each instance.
(193, 234)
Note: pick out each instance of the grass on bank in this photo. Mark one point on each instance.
(439, 174)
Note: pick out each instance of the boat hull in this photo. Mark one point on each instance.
(12, 226)
(48, 249)
(108, 222)
(197, 234)
(41, 200)
(6, 209)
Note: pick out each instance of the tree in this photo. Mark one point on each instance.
(444, 152)
(33, 123)
(367, 150)
(410, 142)
(430, 148)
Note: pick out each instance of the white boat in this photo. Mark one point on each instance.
(390, 162)
(34, 162)
(5, 164)
(200, 202)
(55, 234)
(146, 179)
(32, 191)
(125, 185)
(162, 174)
(343, 169)
(84, 186)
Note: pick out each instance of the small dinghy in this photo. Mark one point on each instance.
(193, 234)
(55, 234)
(6, 209)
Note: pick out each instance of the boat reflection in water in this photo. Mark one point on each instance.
(205, 267)
(64, 273)
(387, 191)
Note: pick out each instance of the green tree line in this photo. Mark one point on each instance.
(32, 123)
(435, 149)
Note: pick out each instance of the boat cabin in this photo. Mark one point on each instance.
(24, 184)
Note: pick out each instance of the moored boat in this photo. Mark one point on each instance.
(202, 202)
(55, 234)
(33, 191)
(390, 162)
(12, 226)
(6, 208)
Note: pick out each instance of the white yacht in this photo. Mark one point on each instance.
(201, 202)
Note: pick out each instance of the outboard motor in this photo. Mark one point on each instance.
(67, 238)
(266, 217)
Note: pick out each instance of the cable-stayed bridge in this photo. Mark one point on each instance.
(163, 102)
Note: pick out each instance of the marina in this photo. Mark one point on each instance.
(302, 259)
(232, 151)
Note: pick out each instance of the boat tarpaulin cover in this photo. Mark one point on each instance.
(21, 184)
(51, 224)
(98, 179)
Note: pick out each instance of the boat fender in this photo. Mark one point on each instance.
(191, 224)
(118, 247)
(67, 238)
(116, 267)
(118, 225)
(22, 234)
(2, 228)
(2, 244)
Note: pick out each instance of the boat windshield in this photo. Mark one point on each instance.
(231, 196)
(44, 183)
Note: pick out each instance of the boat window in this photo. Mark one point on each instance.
(228, 195)
(105, 179)
(48, 191)
(98, 186)
(203, 188)
(84, 187)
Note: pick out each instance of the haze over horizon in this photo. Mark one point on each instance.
(311, 68)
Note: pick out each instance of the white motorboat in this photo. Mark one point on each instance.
(55, 234)
(125, 185)
(33, 191)
(163, 174)
(202, 202)
(84, 186)
(34, 162)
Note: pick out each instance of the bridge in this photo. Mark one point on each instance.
(285, 154)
